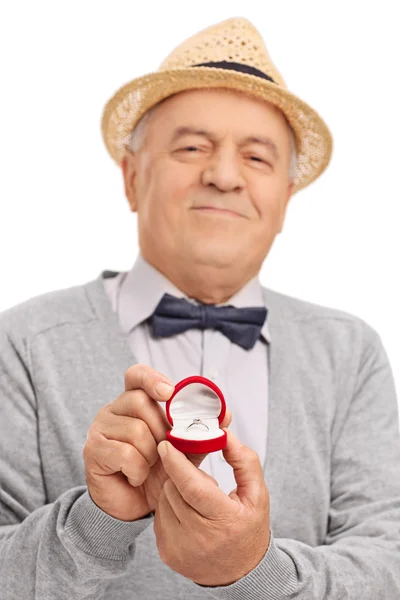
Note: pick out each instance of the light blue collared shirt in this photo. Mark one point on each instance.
(241, 374)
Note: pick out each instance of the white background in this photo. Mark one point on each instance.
(63, 213)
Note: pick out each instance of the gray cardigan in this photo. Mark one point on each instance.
(332, 465)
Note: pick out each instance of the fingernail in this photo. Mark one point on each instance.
(162, 449)
(164, 389)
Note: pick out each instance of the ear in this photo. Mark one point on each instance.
(128, 166)
(290, 190)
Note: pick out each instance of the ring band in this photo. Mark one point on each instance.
(197, 421)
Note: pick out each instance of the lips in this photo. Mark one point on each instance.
(217, 210)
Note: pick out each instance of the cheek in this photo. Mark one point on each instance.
(264, 203)
(163, 195)
(267, 199)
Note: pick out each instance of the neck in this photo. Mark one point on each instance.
(205, 283)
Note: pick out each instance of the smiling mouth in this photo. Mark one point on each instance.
(222, 211)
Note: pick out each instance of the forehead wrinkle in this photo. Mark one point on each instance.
(188, 130)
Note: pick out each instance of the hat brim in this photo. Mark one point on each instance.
(121, 113)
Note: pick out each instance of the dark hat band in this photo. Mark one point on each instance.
(234, 66)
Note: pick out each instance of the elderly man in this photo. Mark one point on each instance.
(304, 500)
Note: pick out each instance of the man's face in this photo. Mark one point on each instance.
(208, 185)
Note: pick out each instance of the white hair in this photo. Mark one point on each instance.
(138, 136)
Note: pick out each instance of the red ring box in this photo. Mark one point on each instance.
(196, 397)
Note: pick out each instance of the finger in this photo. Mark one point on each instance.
(195, 459)
(215, 482)
(199, 492)
(182, 510)
(131, 431)
(247, 469)
(137, 404)
(105, 457)
(180, 507)
(155, 384)
(168, 517)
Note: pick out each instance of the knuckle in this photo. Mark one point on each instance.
(100, 414)
(140, 399)
(104, 413)
(89, 444)
(168, 487)
(137, 475)
(145, 377)
(125, 454)
(114, 457)
(252, 456)
(92, 450)
(140, 430)
(132, 369)
(136, 373)
(127, 460)
(130, 374)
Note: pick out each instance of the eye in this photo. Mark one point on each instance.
(190, 153)
(258, 159)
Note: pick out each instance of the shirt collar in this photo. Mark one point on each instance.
(143, 287)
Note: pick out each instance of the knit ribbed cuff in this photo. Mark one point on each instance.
(98, 533)
(272, 579)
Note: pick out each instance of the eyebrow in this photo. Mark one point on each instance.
(251, 139)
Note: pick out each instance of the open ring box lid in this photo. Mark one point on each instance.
(196, 397)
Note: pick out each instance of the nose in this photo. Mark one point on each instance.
(223, 171)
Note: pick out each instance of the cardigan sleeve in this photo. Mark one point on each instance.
(360, 557)
(65, 549)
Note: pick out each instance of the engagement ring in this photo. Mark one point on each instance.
(197, 422)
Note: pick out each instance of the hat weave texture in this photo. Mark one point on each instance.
(234, 41)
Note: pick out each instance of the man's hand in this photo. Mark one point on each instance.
(204, 534)
(124, 473)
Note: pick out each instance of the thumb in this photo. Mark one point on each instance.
(247, 469)
(227, 419)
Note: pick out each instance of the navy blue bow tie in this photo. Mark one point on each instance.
(241, 325)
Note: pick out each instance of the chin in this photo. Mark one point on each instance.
(214, 255)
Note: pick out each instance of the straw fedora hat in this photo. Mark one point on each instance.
(230, 54)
